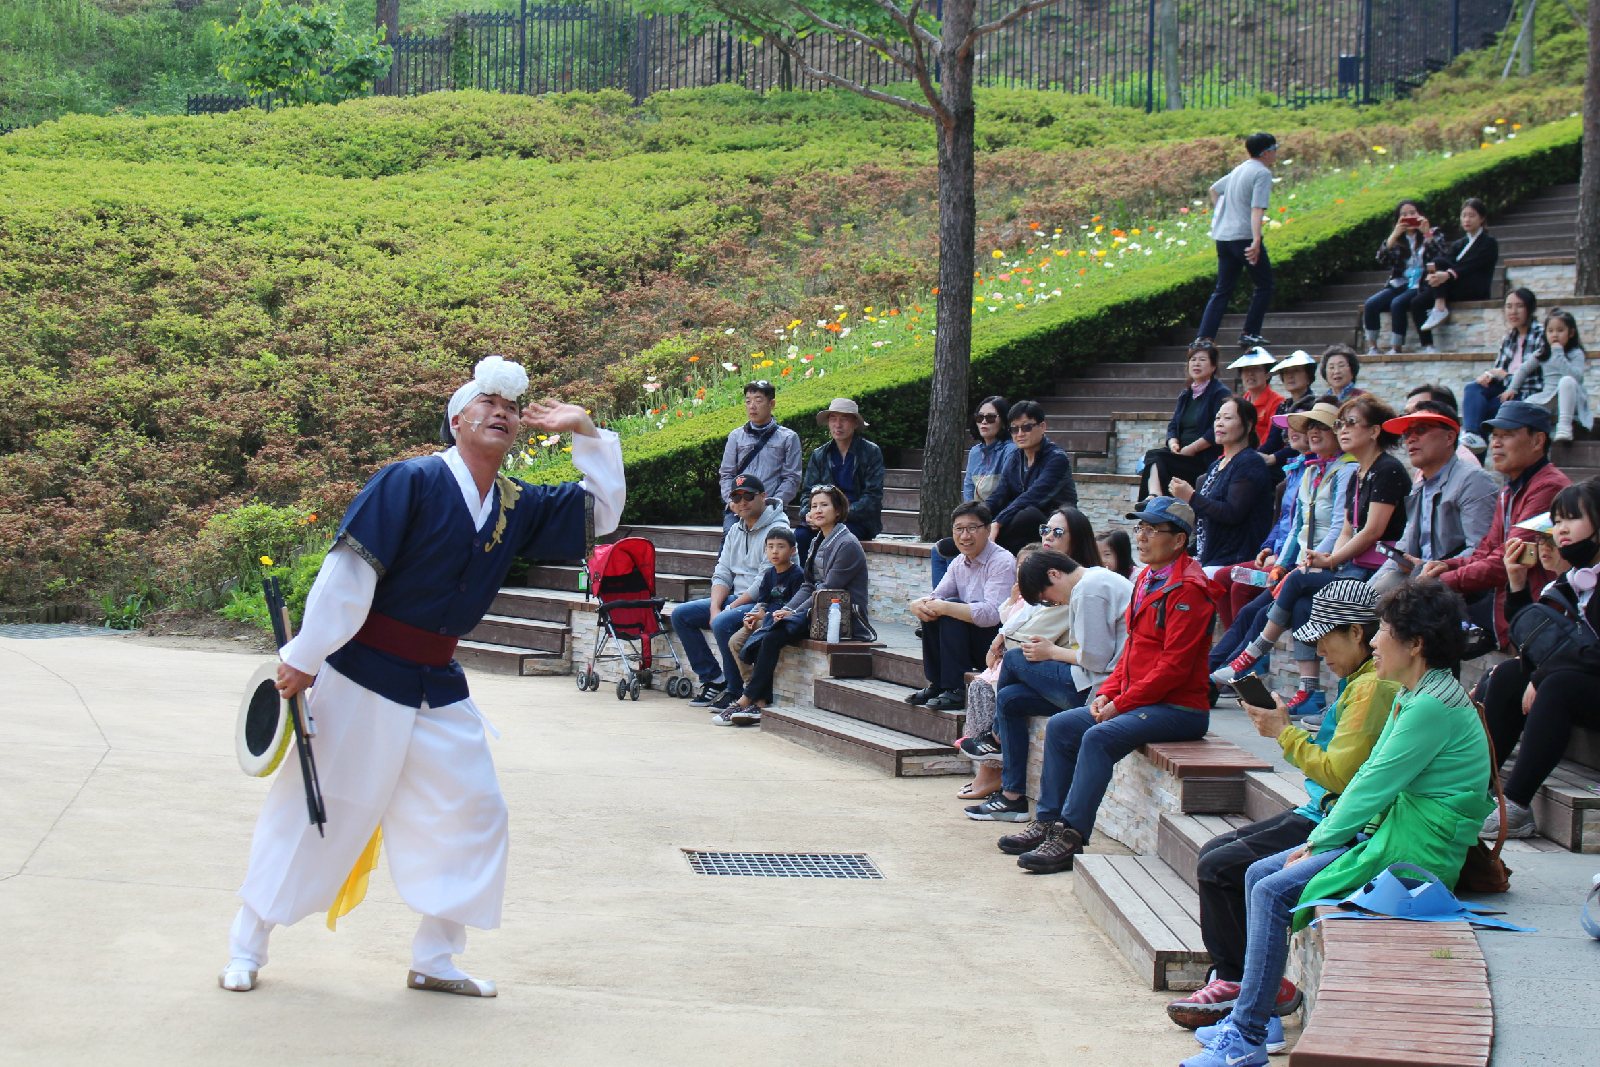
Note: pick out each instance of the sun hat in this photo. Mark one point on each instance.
(1324, 415)
(1298, 359)
(1401, 423)
(841, 406)
(1256, 357)
(1342, 603)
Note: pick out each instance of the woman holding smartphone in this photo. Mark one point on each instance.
(1409, 248)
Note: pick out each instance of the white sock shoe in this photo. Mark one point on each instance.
(432, 966)
(247, 949)
(1435, 317)
(239, 976)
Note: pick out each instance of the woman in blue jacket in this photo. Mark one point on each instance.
(1233, 502)
(1191, 446)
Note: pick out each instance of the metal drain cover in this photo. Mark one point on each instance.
(784, 864)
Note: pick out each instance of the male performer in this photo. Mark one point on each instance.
(400, 745)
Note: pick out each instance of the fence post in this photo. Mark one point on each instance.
(1366, 51)
(1150, 61)
(1455, 28)
(522, 50)
(1169, 55)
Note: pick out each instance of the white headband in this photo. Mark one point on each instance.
(493, 376)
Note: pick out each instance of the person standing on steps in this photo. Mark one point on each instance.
(1240, 201)
(401, 747)
(961, 617)
(1156, 691)
(763, 448)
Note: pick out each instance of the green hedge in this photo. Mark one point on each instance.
(672, 474)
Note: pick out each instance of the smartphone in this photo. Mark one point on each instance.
(1395, 554)
(1529, 555)
(1252, 690)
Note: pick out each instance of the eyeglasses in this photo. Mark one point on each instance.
(1348, 423)
(1144, 529)
(821, 488)
(742, 494)
(986, 416)
(1023, 427)
(1418, 429)
(1051, 531)
(967, 531)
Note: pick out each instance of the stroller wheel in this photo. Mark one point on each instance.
(633, 690)
(594, 682)
(581, 678)
(622, 689)
(683, 689)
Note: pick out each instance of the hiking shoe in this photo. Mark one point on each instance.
(1198, 341)
(948, 700)
(1241, 663)
(1031, 837)
(746, 716)
(709, 694)
(1519, 822)
(985, 747)
(1206, 1006)
(923, 695)
(1228, 1048)
(999, 809)
(1275, 1042)
(722, 717)
(1435, 318)
(1252, 340)
(1288, 1000)
(1306, 703)
(1061, 843)
(1312, 723)
(1475, 443)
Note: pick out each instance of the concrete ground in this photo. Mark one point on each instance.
(126, 826)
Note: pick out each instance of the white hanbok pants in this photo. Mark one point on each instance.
(426, 775)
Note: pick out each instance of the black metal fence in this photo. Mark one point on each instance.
(1154, 54)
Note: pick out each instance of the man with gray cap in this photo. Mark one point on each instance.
(1519, 444)
(853, 464)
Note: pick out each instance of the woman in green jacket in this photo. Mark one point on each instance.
(1421, 796)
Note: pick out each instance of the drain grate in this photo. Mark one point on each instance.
(784, 864)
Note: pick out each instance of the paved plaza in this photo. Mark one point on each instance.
(127, 825)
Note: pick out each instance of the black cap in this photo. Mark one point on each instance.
(749, 483)
(1515, 414)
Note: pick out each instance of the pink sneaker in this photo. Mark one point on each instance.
(1206, 1005)
(1241, 663)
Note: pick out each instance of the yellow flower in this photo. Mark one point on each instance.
(266, 561)
(997, 254)
(1100, 252)
(1083, 253)
(1135, 232)
(1378, 148)
(1499, 122)
(1484, 145)
(1058, 231)
(868, 310)
(1097, 229)
(793, 324)
(566, 450)
(1516, 125)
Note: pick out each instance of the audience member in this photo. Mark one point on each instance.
(1258, 572)
(1425, 784)
(1340, 367)
(1374, 513)
(1116, 552)
(1018, 621)
(1539, 703)
(991, 428)
(1036, 480)
(1255, 379)
(1232, 504)
(1559, 365)
(737, 574)
(1465, 273)
(962, 616)
(1409, 248)
(1523, 343)
(763, 448)
(1520, 447)
(779, 582)
(1451, 505)
(1443, 394)
(1296, 375)
(1070, 533)
(850, 462)
(1046, 674)
(1190, 446)
(1344, 618)
(1239, 202)
(1156, 691)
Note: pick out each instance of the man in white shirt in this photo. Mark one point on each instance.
(1240, 202)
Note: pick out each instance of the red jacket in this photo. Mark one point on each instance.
(1169, 639)
(1486, 567)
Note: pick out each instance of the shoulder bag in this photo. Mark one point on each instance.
(1483, 871)
(1552, 630)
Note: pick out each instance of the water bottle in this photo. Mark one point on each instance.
(1249, 576)
(835, 619)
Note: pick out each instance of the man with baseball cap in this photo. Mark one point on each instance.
(1519, 444)
(1344, 617)
(737, 575)
(1451, 506)
(1156, 692)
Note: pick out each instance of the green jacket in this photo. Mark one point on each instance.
(1425, 786)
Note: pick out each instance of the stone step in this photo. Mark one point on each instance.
(898, 666)
(1067, 406)
(1152, 388)
(1518, 226)
(1149, 914)
(1180, 838)
(516, 632)
(523, 603)
(906, 499)
(882, 703)
(900, 478)
(508, 659)
(1290, 318)
(890, 751)
(1134, 368)
(1531, 246)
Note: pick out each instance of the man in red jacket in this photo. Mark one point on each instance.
(1520, 445)
(1156, 692)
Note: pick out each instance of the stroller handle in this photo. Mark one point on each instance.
(617, 605)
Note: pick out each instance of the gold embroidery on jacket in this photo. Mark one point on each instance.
(509, 491)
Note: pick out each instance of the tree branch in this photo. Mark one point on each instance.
(795, 54)
(1005, 20)
(908, 21)
(879, 44)
(926, 83)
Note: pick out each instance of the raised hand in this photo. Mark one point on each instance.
(553, 416)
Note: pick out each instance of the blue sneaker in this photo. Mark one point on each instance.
(1275, 1042)
(1228, 1048)
(1306, 704)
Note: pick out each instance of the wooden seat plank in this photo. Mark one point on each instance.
(1168, 911)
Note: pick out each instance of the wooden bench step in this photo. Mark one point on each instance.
(1269, 793)
(891, 751)
(883, 704)
(509, 659)
(1180, 837)
(536, 634)
(1150, 915)
(1567, 807)
(900, 666)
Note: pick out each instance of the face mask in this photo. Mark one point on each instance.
(1580, 553)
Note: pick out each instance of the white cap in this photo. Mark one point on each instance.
(1256, 357)
(1299, 359)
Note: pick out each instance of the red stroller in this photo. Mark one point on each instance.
(623, 576)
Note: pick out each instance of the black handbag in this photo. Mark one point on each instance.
(1553, 631)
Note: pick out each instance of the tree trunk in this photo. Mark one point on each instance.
(1170, 75)
(389, 25)
(952, 349)
(1588, 236)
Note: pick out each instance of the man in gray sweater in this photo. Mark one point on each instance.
(763, 448)
(733, 586)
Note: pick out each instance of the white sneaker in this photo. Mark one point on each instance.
(1372, 350)
(1435, 318)
(1519, 822)
(1427, 350)
(1392, 352)
(1563, 433)
(1474, 442)
(239, 976)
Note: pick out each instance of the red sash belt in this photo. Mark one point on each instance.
(406, 641)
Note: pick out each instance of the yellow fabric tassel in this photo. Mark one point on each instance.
(354, 890)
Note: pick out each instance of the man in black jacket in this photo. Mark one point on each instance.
(1036, 480)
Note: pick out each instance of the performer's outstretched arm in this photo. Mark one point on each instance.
(335, 609)
(600, 460)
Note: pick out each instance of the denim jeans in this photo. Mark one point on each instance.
(1479, 402)
(1079, 755)
(951, 647)
(1291, 608)
(690, 620)
(1397, 302)
(1270, 890)
(1022, 691)
(1230, 264)
(1245, 628)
